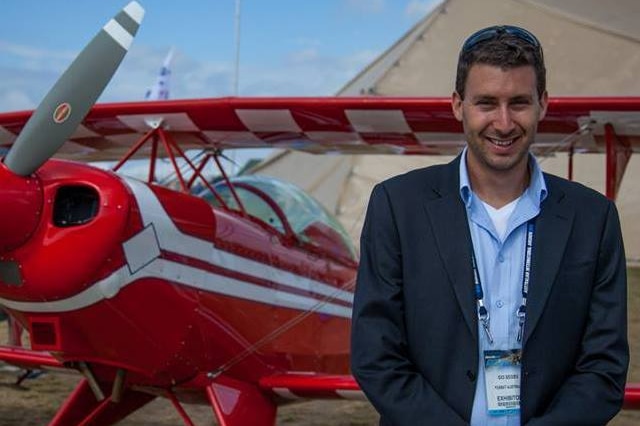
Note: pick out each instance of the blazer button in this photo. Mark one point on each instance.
(471, 376)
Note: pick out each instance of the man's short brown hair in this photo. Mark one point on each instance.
(505, 47)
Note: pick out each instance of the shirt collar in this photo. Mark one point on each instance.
(536, 192)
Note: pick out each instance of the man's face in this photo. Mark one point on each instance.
(500, 115)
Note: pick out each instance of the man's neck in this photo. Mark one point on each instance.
(499, 189)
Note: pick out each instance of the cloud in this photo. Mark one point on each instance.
(304, 55)
(16, 99)
(32, 53)
(34, 59)
(190, 78)
(307, 42)
(305, 73)
(23, 87)
(367, 6)
(24, 83)
(27, 74)
(417, 9)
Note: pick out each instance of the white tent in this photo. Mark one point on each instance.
(591, 48)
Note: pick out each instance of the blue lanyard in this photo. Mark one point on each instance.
(483, 313)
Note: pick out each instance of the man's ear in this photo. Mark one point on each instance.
(544, 102)
(456, 105)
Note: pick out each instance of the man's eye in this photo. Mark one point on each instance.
(520, 105)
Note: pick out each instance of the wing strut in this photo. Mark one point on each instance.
(169, 144)
(618, 151)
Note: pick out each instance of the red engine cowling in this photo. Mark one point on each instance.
(21, 201)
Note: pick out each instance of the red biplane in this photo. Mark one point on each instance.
(237, 294)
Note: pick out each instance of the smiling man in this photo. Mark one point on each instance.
(490, 293)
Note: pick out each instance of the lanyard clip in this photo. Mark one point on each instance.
(521, 315)
(483, 316)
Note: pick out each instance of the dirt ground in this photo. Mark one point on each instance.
(35, 402)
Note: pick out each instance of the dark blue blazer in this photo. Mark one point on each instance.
(414, 329)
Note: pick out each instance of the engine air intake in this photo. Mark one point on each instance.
(75, 205)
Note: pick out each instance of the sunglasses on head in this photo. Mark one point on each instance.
(494, 32)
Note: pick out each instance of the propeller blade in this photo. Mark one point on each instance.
(73, 95)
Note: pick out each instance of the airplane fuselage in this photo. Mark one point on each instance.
(119, 274)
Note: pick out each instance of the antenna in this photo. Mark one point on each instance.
(236, 77)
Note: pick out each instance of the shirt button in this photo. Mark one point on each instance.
(499, 303)
(500, 258)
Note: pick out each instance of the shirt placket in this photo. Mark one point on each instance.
(499, 292)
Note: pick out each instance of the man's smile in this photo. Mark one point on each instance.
(502, 142)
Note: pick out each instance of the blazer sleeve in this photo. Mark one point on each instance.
(594, 393)
(379, 356)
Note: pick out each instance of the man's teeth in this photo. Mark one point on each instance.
(501, 142)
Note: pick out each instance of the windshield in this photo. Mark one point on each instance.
(308, 219)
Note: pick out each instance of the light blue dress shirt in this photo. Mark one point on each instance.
(500, 265)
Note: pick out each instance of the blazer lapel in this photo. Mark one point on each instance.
(553, 227)
(448, 220)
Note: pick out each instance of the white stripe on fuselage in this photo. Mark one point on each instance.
(171, 239)
(182, 274)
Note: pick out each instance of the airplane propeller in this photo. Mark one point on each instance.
(73, 95)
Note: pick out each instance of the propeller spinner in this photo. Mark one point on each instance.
(73, 95)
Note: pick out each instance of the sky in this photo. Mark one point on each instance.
(287, 47)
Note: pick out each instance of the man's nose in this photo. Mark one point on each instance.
(503, 122)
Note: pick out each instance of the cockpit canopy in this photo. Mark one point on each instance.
(299, 214)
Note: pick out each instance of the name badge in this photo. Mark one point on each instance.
(502, 381)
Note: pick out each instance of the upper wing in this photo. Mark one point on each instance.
(325, 125)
